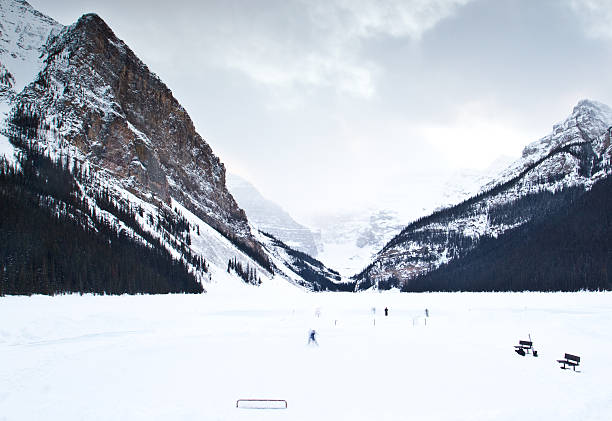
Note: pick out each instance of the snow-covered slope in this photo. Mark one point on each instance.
(575, 155)
(302, 269)
(23, 34)
(270, 217)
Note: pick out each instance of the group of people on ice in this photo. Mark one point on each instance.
(312, 336)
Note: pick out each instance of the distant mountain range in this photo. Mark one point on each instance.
(270, 217)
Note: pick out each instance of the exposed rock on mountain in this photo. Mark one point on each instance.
(575, 155)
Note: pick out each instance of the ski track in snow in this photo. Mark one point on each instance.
(190, 357)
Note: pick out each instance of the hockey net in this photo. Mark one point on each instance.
(261, 404)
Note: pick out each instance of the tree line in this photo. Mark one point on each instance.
(248, 274)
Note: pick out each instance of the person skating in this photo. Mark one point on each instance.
(312, 338)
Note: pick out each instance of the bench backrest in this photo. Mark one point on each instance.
(572, 357)
(526, 343)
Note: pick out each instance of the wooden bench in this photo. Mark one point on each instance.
(524, 347)
(570, 360)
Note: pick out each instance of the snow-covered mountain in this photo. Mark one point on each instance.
(23, 34)
(138, 165)
(575, 155)
(347, 240)
(270, 217)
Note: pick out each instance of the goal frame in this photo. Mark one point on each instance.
(262, 403)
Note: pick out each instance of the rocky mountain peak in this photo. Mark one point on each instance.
(586, 124)
(596, 109)
(97, 95)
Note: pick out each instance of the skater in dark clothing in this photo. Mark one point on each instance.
(386, 311)
(426, 313)
(312, 338)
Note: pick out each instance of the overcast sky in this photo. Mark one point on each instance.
(329, 104)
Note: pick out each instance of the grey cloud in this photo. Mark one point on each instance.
(326, 103)
(596, 16)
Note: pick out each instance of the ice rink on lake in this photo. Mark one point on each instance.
(182, 357)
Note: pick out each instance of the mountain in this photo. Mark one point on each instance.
(568, 250)
(270, 217)
(95, 94)
(552, 173)
(348, 240)
(97, 141)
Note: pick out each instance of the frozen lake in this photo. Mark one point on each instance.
(180, 357)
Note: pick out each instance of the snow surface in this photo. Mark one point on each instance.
(190, 357)
(7, 150)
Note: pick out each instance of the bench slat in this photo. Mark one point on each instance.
(572, 357)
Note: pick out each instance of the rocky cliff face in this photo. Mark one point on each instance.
(94, 93)
(572, 158)
(588, 124)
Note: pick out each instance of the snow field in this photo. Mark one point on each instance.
(189, 357)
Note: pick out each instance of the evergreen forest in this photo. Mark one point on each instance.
(52, 241)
